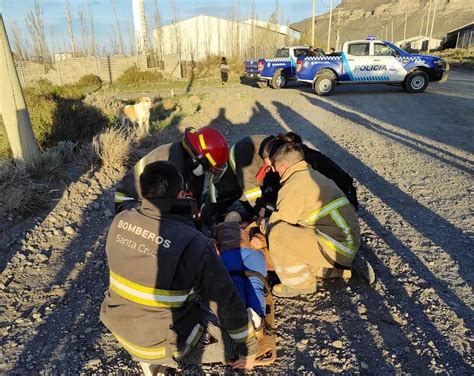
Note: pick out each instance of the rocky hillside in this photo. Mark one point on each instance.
(360, 18)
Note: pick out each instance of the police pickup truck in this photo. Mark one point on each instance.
(277, 71)
(371, 62)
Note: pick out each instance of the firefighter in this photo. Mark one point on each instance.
(163, 276)
(326, 166)
(247, 178)
(200, 151)
(252, 180)
(314, 232)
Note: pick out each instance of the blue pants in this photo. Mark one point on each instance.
(251, 289)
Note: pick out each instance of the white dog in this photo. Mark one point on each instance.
(138, 114)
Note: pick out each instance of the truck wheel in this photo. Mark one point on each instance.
(416, 82)
(279, 80)
(325, 84)
(262, 84)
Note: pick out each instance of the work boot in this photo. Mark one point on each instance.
(363, 270)
(328, 273)
(284, 291)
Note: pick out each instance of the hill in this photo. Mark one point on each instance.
(360, 18)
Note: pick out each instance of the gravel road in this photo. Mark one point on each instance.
(412, 156)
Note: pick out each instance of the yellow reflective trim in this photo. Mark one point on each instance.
(121, 197)
(210, 159)
(147, 295)
(232, 158)
(202, 142)
(148, 290)
(325, 210)
(344, 227)
(142, 301)
(140, 166)
(253, 193)
(242, 334)
(336, 246)
(212, 192)
(141, 352)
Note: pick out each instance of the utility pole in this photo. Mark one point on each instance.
(428, 19)
(392, 30)
(421, 26)
(312, 22)
(329, 28)
(405, 28)
(386, 33)
(338, 28)
(14, 111)
(434, 15)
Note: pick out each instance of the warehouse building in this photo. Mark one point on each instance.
(461, 37)
(199, 37)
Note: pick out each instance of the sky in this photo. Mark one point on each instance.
(54, 19)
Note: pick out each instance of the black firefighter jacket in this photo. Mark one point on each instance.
(161, 272)
(128, 192)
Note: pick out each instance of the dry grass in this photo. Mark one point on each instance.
(19, 193)
(112, 147)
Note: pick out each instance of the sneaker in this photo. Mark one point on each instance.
(284, 291)
(362, 269)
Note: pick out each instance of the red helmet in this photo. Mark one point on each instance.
(208, 146)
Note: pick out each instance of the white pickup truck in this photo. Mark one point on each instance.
(371, 61)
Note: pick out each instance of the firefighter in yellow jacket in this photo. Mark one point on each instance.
(314, 231)
(163, 276)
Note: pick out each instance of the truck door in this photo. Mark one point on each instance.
(296, 53)
(388, 66)
(356, 58)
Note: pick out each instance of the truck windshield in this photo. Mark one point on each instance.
(283, 52)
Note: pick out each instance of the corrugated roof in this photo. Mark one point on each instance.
(461, 27)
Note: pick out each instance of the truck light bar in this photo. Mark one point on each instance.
(371, 37)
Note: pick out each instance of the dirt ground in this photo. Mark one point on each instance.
(412, 158)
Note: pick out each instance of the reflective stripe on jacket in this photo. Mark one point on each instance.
(309, 199)
(159, 263)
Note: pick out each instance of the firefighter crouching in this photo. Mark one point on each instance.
(312, 209)
(163, 274)
(200, 151)
(251, 180)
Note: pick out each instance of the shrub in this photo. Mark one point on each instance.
(55, 118)
(112, 147)
(133, 75)
(49, 164)
(19, 194)
(108, 104)
(89, 80)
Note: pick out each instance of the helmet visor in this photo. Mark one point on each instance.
(217, 172)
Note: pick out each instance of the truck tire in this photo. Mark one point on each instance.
(416, 82)
(279, 79)
(262, 84)
(325, 84)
